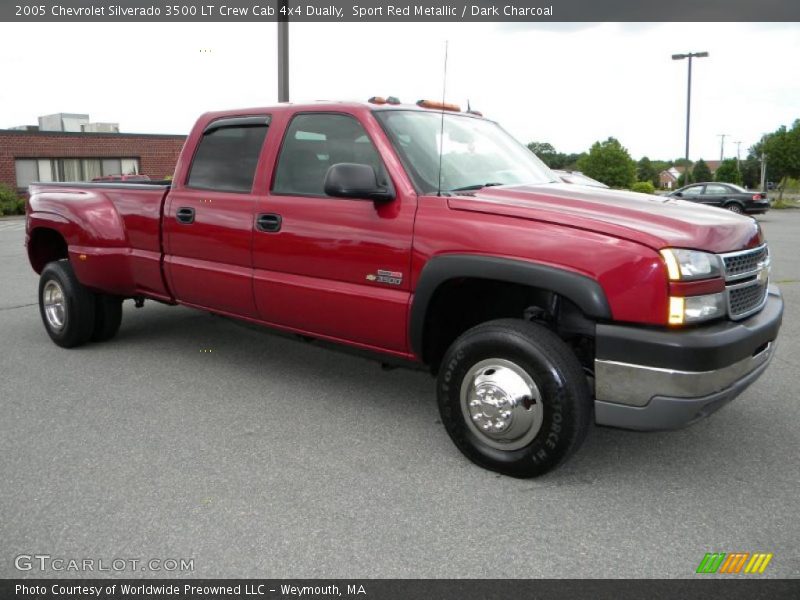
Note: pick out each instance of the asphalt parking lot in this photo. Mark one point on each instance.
(269, 457)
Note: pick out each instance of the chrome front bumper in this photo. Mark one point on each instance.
(666, 394)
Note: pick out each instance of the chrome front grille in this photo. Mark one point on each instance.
(742, 263)
(744, 298)
(746, 281)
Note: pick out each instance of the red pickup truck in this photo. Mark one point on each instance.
(428, 235)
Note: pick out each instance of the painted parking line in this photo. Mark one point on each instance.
(12, 225)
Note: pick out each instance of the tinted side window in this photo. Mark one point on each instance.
(226, 158)
(312, 144)
(693, 191)
(716, 189)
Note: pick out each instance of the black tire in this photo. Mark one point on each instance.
(566, 401)
(735, 207)
(78, 305)
(107, 317)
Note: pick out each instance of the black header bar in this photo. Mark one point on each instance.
(239, 11)
(707, 587)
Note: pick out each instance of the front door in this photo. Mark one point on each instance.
(333, 267)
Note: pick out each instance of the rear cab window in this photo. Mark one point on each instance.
(227, 154)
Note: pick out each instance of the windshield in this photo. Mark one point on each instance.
(475, 152)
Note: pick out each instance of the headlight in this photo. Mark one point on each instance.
(694, 309)
(688, 265)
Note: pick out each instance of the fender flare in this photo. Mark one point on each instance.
(584, 291)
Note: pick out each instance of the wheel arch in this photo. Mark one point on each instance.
(440, 271)
(44, 245)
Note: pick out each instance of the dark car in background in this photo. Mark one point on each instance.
(725, 195)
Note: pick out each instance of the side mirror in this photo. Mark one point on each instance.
(678, 194)
(352, 180)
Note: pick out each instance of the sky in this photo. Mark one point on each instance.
(569, 84)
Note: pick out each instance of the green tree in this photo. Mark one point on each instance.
(701, 172)
(568, 161)
(610, 163)
(750, 168)
(644, 187)
(646, 171)
(728, 171)
(782, 148)
(546, 152)
(552, 158)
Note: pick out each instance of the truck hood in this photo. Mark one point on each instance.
(655, 221)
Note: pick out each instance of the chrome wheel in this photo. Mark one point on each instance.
(735, 208)
(55, 310)
(501, 404)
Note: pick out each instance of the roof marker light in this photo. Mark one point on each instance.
(438, 105)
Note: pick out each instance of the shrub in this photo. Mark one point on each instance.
(791, 185)
(9, 201)
(644, 187)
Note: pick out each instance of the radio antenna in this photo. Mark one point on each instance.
(441, 134)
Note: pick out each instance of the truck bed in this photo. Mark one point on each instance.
(118, 244)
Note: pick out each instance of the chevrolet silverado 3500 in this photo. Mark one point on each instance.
(428, 235)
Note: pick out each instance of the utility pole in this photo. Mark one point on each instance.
(722, 137)
(690, 56)
(283, 51)
(738, 159)
(763, 172)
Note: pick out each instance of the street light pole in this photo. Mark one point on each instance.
(283, 52)
(690, 56)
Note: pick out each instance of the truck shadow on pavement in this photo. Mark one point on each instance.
(723, 446)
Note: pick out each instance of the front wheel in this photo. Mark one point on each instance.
(514, 398)
(67, 308)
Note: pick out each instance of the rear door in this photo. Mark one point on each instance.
(208, 220)
(716, 194)
(333, 267)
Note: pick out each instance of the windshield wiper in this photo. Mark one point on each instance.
(472, 188)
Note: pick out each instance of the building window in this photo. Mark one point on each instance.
(45, 170)
(112, 166)
(129, 166)
(91, 168)
(31, 170)
(70, 170)
(27, 172)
